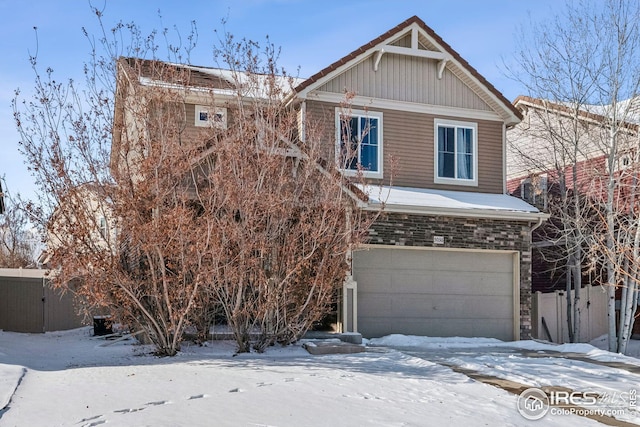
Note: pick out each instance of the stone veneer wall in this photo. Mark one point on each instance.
(469, 233)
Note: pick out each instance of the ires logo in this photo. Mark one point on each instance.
(574, 398)
(534, 403)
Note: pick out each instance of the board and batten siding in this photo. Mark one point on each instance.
(408, 79)
(408, 138)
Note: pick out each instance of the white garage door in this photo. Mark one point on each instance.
(435, 292)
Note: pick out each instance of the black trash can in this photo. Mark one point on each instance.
(102, 325)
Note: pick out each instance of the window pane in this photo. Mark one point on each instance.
(465, 140)
(465, 170)
(369, 155)
(349, 143)
(369, 127)
(446, 165)
(353, 127)
(445, 139)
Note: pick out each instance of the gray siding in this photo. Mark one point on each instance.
(409, 139)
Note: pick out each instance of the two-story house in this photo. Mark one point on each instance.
(451, 254)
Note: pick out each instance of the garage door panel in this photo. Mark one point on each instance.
(378, 304)
(446, 260)
(435, 292)
(417, 281)
(412, 259)
(373, 259)
(378, 327)
(463, 283)
(457, 307)
(411, 281)
(375, 327)
(455, 328)
(377, 280)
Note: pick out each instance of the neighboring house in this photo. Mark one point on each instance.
(450, 255)
(535, 167)
(85, 205)
(540, 155)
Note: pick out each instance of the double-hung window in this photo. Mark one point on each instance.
(359, 143)
(456, 152)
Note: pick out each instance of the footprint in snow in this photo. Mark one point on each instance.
(128, 411)
(84, 420)
(94, 421)
(198, 396)
(159, 402)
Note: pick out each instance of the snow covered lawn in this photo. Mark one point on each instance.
(71, 380)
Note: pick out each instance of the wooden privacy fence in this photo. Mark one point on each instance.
(549, 315)
(28, 304)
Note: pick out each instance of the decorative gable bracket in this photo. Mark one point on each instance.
(413, 51)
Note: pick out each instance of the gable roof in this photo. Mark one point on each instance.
(509, 112)
(592, 113)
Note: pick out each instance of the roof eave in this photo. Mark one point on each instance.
(458, 212)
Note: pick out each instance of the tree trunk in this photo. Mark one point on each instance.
(577, 287)
(569, 302)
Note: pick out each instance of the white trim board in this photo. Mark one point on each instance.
(413, 107)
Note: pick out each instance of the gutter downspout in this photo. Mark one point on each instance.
(538, 223)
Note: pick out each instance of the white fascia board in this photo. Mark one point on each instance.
(372, 103)
(466, 213)
(303, 94)
(407, 51)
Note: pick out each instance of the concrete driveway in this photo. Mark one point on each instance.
(615, 383)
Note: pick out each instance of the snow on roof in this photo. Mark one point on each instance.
(253, 85)
(242, 77)
(446, 200)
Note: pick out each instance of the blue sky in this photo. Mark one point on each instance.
(312, 35)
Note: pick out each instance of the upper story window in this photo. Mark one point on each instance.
(359, 142)
(207, 116)
(456, 152)
(103, 227)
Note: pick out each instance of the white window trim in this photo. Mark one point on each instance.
(455, 181)
(360, 113)
(222, 123)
